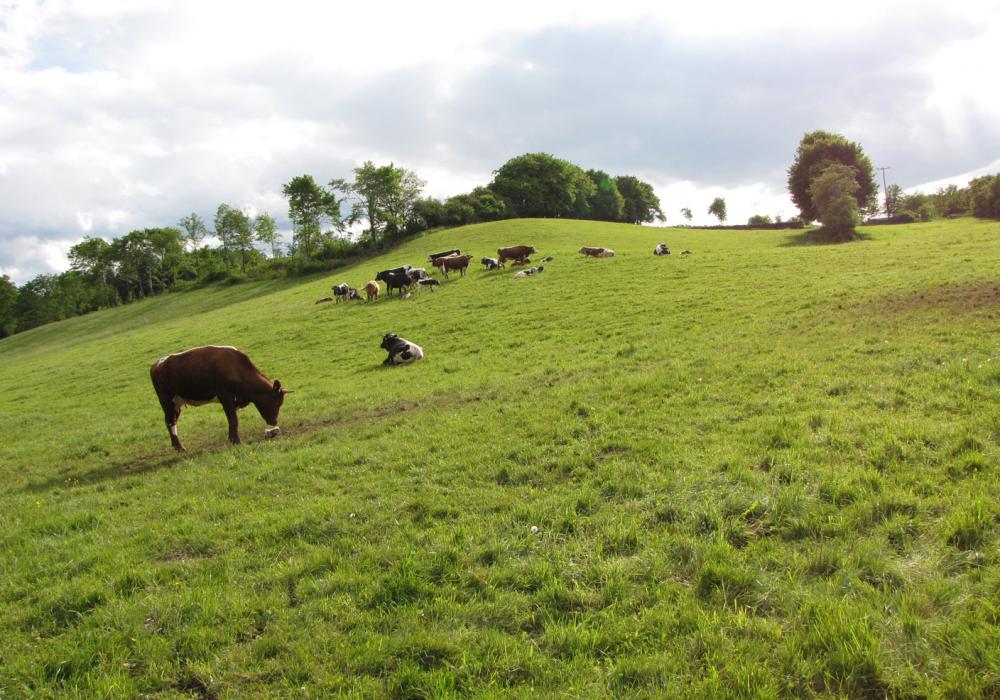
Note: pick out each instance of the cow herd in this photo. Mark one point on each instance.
(228, 376)
(406, 278)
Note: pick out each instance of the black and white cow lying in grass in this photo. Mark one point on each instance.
(661, 249)
(401, 351)
(528, 271)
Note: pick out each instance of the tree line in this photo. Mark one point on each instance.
(385, 201)
(831, 180)
(381, 203)
(981, 198)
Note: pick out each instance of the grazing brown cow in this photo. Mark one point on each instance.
(372, 290)
(515, 252)
(597, 252)
(453, 262)
(215, 373)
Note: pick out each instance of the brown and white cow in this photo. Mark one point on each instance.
(443, 254)
(514, 252)
(215, 373)
(453, 262)
(597, 252)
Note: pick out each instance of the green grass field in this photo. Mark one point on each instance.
(767, 469)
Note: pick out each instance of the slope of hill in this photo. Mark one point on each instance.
(766, 468)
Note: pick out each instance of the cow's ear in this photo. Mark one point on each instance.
(277, 386)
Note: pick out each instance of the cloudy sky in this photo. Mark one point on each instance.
(122, 114)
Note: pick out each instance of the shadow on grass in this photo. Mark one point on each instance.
(140, 464)
(164, 308)
(817, 236)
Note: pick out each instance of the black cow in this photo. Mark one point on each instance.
(395, 279)
(401, 268)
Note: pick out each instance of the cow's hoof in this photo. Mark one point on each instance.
(272, 432)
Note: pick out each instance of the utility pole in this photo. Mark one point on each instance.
(885, 188)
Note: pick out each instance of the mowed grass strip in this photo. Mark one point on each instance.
(765, 469)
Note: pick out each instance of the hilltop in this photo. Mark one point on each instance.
(766, 468)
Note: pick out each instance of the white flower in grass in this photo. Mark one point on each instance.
(534, 529)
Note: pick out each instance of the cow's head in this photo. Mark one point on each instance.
(268, 405)
(388, 340)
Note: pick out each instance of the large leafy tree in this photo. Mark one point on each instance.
(488, 205)
(235, 229)
(833, 192)
(265, 231)
(8, 297)
(194, 229)
(985, 196)
(309, 206)
(640, 203)
(228, 222)
(383, 197)
(607, 203)
(538, 184)
(816, 152)
(951, 200)
(34, 303)
(482, 204)
(427, 213)
(93, 258)
(146, 261)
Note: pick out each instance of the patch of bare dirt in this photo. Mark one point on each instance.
(958, 297)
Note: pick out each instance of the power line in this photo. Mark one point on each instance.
(885, 188)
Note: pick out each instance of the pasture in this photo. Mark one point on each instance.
(767, 469)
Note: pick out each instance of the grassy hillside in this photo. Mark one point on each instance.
(765, 469)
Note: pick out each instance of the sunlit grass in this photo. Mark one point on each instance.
(763, 469)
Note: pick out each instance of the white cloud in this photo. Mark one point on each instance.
(960, 180)
(120, 114)
(741, 202)
(31, 255)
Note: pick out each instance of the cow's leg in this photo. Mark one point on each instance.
(229, 406)
(171, 412)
